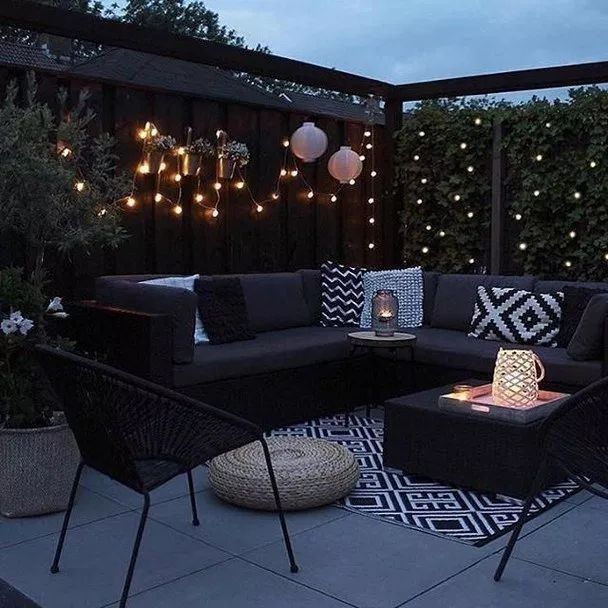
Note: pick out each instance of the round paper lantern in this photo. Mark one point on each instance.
(309, 142)
(345, 165)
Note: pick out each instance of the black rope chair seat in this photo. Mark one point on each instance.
(575, 439)
(142, 435)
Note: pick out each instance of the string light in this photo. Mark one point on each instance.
(471, 260)
(441, 233)
(606, 256)
(352, 182)
(367, 134)
(368, 146)
(463, 145)
(536, 192)
(181, 150)
(334, 198)
(199, 198)
(425, 249)
(79, 186)
(457, 197)
(215, 213)
(470, 168)
(177, 210)
(518, 216)
(568, 264)
(424, 180)
(162, 166)
(286, 143)
(371, 246)
(177, 177)
(374, 173)
(144, 168)
(371, 220)
(143, 134)
(470, 214)
(371, 200)
(419, 201)
(153, 131)
(577, 195)
(294, 173)
(593, 164)
(538, 157)
(478, 121)
(275, 196)
(421, 133)
(572, 234)
(429, 227)
(416, 157)
(239, 185)
(362, 157)
(131, 202)
(66, 152)
(548, 125)
(217, 186)
(523, 246)
(259, 208)
(158, 197)
(283, 172)
(310, 194)
(102, 212)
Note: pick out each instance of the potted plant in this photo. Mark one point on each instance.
(156, 148)
(59, 194)
(200, 149)
(230, 155)
(38, 454)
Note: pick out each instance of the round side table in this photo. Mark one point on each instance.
(399, 341)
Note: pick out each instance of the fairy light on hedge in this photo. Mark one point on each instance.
(518, 216)
(158, 197)
(371, 200)
(538, 157)
(470, 214)
(79, 186)
(429, 227)
(441, 233)
(577, 195)
(593, 164)
(523, 246)
(470, 168)
(568, 264)
(131, 201)
(478, 121)
(421, 133)
(416, 157)
(572, 234)
(425, 249)
(536, 193)
(372, 220)
(463, 145)
(457, 197)
(419, 201)
(424, 180)
(199, 198)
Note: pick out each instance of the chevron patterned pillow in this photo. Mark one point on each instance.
(517, 316)
(341, 295)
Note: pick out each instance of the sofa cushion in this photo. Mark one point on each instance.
(179, 304)
(311, 281)
(575, 303)
(430, 280)
(341, 295)
(455, 350)
(588, 339)
(270, 351)
(551, 286)
(456, 293)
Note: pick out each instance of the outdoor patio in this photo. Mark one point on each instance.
(236, 558)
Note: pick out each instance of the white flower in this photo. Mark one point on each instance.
(16, 317)
(8, 326)
(26, 326)
(55, 305)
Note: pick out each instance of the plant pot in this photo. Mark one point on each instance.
(190, 164)
(225, 168)
(37, 468)
(155, 160)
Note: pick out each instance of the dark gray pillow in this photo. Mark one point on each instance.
(587, 344)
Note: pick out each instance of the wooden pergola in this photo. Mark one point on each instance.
(70, 24)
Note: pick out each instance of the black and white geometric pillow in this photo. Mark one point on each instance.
(341, 295)
(517, 316)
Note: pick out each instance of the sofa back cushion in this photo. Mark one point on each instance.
(552, 286)
(456, 294)
(179, 304)
(587, 343)
(275, 301)
(311, 282)
(430, 280)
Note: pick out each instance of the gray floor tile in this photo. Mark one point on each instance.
(236, 529)
(523, 586)
(89, 507)
(368, 563)
(574, 543)
(174, 489)
(233, 584)
(95, 560)
(597, 502)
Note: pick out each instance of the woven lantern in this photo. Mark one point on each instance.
(516, 377)
(345, 165)
(308, 142)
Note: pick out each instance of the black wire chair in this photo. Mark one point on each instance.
(575, 440)
(142, 435)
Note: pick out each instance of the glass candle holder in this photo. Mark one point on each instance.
(385, 312)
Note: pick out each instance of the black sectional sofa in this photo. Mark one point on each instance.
(294, 369)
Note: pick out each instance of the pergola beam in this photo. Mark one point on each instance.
(82, 26)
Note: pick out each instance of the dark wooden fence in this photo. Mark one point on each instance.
(293, 232)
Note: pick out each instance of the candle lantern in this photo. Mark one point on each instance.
(516, 378)
(385, 311)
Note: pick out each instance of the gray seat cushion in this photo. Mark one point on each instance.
(453, 349)
(270, 351)
(456, 293)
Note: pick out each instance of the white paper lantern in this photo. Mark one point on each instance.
(308, 142)
(345, 165)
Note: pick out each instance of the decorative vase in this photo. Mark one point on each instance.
(516, 377)
(308, 142)
(37, 468)
(385, 313)
(225, 168)
(345, 165)
(190, 163)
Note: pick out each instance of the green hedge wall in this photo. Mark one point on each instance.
(556, 185)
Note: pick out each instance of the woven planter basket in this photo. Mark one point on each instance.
(37, 468)
(309, 472)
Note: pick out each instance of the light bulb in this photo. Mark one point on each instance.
(470, 214)
(421, 133)
(593, 164)
(518, 216)
(144, 168)
(199, 198)
(441, 233)
(283, 172)
(567, 263)
(259, 208)
(240, 185)
(352, 182)
(371, 200)
(548, 125)
(177, 177)
(523, 246)
(368, 146)
(286, 143)
(416, 157)
(429, 227)
(419, 201)
(102, 212)
(606, 256)
(457, 197)
(539, 157)
(333, 198)
(425, 249)
(294, 173)
(66, 152)
(158, 197)
(362, 157)
(181, 150)
(215, 213)
(572, 234)
(154, 132)
(367, 134)
(463, 146)
(424, 180)
(470, 168)
(79, 186)
(471, 260)
(218, 133)
(577, 195)
(310, 194)
(374, 173)
(217, 186)
(371, 220)
(131, 202)
(162, 166)
(536, 193)
(143, 134)
(177, 210)
(478, 121)
(371, 246)
(275, 196)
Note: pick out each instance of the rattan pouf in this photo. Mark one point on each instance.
(309, 472)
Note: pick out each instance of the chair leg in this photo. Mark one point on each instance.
(277, 498)
(135, 553)
(195, 521)
(537, 486)
(66, 519)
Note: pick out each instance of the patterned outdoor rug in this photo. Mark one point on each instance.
(415, 502)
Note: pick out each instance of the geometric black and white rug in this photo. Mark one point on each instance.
(465, 515)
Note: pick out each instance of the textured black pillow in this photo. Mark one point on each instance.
(222, 307)
(575, 302)
(587, 343)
